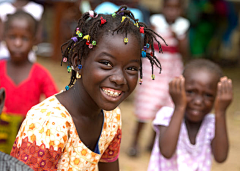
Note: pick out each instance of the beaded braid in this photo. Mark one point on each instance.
(92, 26)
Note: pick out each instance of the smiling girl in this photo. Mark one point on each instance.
(80, 128)
(188, 134)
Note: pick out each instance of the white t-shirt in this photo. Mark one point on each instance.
(187, 157)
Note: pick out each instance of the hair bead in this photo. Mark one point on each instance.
(69, 69)
(125, 40)
(64, 59)
(144, 54)
(67, 88)
(90, 46)
(141, 29)
(79, 66)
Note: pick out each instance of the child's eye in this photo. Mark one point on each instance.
(25, 38)
(208, 95)
(12, 37)
(189, 92)
(133, 68)
(107, 63)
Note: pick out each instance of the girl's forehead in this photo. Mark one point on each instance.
(202, 75)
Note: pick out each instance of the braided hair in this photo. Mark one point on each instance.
(91, 27)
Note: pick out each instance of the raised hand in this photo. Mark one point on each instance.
(224, 95)
(177, 91)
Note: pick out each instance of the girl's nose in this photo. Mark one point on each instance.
(198, 100)
(119, 79)
(18, 42)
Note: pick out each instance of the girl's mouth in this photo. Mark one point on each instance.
(112, 92)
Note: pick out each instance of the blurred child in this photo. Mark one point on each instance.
(35, 9)
(173, 28)
(80, 128)
(8, 162)
(188, 134)
(23, 81)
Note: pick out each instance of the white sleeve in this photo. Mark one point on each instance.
(180, 27)
(163, 116)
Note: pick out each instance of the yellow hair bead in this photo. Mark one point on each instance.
(87, 37)
(136, 24)
(125, 40)
(123, 18)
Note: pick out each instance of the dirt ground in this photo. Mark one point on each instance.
(61, 77)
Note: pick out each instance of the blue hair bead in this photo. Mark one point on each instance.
(144, 54)
(67, 88)
(147, 45)
(79, 66)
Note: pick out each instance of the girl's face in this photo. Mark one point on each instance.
(110, 72)
(201, 89)
(171, 10)
(19, 39)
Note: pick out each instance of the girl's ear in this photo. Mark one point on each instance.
(2, 99)
(76, 62)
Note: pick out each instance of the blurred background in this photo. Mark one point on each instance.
(214, 34)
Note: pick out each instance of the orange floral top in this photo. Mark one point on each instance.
(48, 140)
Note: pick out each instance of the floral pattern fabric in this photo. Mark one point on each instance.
(48, 140)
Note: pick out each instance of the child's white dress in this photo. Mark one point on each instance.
(153, 94)
(188, 157)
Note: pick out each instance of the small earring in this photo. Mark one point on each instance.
(78, 76)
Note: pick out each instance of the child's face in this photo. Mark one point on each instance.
(171, 10)
(110, 72)
(19, 39)
(201, 89)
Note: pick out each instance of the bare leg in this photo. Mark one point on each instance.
(152, 140)
(133, 151)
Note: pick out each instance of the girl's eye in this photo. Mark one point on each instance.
(107, 63)
(208, 95)
(25, 38)
(133, 68)
(189, 92)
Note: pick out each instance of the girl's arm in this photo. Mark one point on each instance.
(169, 135)
(113, 166)
(224, 97)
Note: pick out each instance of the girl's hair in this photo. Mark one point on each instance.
(22, 15)
(201, 64)
(91, 27)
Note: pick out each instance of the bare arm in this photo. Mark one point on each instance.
(224, 97)
(169, 135)
(184, 48)
(113, 166)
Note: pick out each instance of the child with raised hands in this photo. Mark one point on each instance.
(189, 134)
(80, 128)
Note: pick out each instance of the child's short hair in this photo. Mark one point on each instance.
(203, 64)
(92, 26)
(19, 14)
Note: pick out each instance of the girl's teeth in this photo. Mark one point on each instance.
(111, 93)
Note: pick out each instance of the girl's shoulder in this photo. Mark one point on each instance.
(163, 116)
(49, 110)
(157, 20)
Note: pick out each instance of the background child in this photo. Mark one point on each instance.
(80, 129)
(188, 134)
(8, 162)
(173, 28)
(23, 81)
(36, 10)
